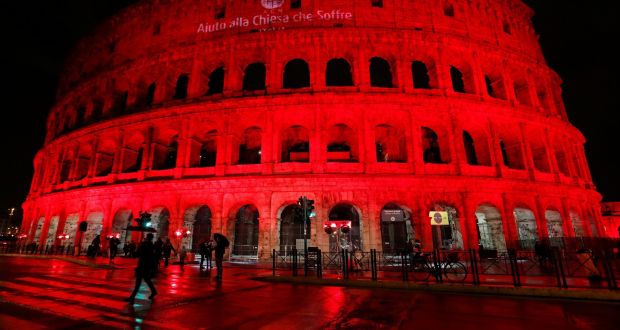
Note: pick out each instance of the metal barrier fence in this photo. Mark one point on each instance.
(34, 249)
(599, 269)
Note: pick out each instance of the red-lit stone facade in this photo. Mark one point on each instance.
(195, 110)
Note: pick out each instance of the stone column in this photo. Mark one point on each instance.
(495, 150)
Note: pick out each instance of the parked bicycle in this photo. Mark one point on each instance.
(450, 269)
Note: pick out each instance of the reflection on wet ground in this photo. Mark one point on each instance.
(53, 294)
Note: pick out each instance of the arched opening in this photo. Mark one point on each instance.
(510, 146)
(470, 149)
(490, 228)
(216, 81)
(341, 144)
(292, 229)
(577, 224)
(554, 227)
(180, 91)
(246, 232)
(522, 91)
(338, 73)
(421, 77)
(250, 146)
(51, 232)
(208, 150)
(38, 229)
(150, 95)
(119, 105)
(447, 235)
(562, 160)
(458, 83)
(105, 158)
(296, 74)
(160, 220)
(65, 166)
(495, 85)
(94, 227)
(476, 146)
(432, 151)
(165, 152)
(133, 152)
(70, 229)
(544, 100)
(448, 9)
(390, 145)
(122, 219)
(198, 221)
(539, 153)
(254, 77)
(296, 144)
(352, 240)
(97, 112)
(80, 115)
(83, 161)
(396, 228)
(380, 73)
(526, 227)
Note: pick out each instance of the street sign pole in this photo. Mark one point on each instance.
(305, 202)
(305, 225)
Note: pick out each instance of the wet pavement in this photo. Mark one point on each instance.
(55, 294)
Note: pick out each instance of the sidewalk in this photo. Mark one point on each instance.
(259, 272)
(529, 292)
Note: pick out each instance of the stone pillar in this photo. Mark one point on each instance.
(528, 160)
(495, 149)
(457, 151)
(509, 222)
(417, 156)
(470, 222)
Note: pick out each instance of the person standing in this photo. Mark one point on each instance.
(221, 243)
(205, 254)
(146, 267)
(167, 249)
(182, 255)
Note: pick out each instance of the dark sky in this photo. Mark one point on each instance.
(577, 39)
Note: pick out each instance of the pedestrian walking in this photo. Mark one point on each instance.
(221, 243)
(114, 243)
(146, 267)
(93, 249)
(167, 250)
(182, 256)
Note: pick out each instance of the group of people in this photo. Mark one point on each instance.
(149, 256)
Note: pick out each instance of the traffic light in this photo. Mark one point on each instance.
(299, 210)
(144, 220)
(310, 208)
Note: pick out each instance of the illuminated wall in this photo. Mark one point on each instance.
(217, 115)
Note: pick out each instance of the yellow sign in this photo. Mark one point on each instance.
(439, 218)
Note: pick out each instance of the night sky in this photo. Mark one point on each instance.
(577, 39)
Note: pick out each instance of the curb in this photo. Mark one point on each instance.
(544, 293)
(66, 259)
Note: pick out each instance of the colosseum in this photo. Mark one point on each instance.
(217, 115)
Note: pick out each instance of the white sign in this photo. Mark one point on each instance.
(268, 22)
